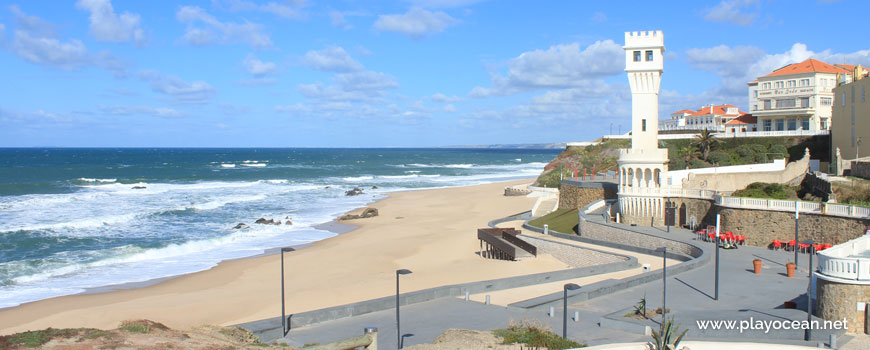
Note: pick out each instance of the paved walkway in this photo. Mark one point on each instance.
(743, 295)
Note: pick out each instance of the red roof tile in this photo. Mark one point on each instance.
(743, 119)
(717, 110)
(808, 66)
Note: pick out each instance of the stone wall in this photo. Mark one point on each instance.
(835, 301)
(728, 182)
(572, 255)
(624, 236)
(761, 227)
(861, 169)
(576, 194)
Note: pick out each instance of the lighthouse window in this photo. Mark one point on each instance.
(649, 55)
(637, 56)
(643, 125)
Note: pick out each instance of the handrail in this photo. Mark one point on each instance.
(520, 243)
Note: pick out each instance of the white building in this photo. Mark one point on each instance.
(798, 96)
(644, 165)
(710, 117)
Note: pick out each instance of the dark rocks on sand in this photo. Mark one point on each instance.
(241, 225)
(374, 187)
(263, 221)
(354, 192)
(139, 187)
(288, 222)
(367, 213)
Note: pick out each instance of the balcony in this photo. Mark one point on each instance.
(848, 261)
(643, 156)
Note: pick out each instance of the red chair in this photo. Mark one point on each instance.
(804, 247)
(826, 246)
(818, 247)
(791, 245)
(740, 239)
(777, 245)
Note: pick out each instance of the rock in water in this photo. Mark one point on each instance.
(139, 187)
(354, 192)
(374, 187)
(241, 225)
(261, 221)
(368, 213)
(288, 223)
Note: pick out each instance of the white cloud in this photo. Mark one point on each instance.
(732, 11)
(259, 68)
(439, 97)
(32, 24)
(560, 66)
(599, 17)
(416, 23)
(366, 81)
(331, 59)
(215, 31)
(141, 110)
(49, 51)
(357, 86)
(289, 10)
(338, 19)
(179, 90)
(450, 108)
(106, 25)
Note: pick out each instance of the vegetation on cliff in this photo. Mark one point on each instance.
(700, 152)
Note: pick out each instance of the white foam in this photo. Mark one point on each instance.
(85, 179)
(225, 165)
(358, 178)
(254, 165)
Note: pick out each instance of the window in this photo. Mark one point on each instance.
(805, 102)
(755, 92)
(824, 124)
(637, 56)
(765, 86)
(780, 124)
(826, 101)
(785, 103)
(792, 124)
(766, 104)
(643, 125)
(805, 123)
(767, 125)
(778, 84)
(755, 107)
(805, 82)
(790, 83)
(649, 55)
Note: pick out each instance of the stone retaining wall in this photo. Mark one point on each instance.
(577, 194)
(861, 169)
(572, 255)
(761, 227)
(623, 236)
(839, 300)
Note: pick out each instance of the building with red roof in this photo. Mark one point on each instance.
(710, 117)
(798, 96)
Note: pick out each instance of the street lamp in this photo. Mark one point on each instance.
(664, 251)
(569, 286)
(398, 328)
(284, 324)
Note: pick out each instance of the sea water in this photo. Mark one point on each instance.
(75, 219)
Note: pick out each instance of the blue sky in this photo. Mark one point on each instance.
(244, 73)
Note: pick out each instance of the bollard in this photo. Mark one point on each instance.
(546, 229)
(552, 311)
(576, 316)
(487, 300)
(467, 295)
(867, 318)
(832, 341)
(374, 337)
(821, 345)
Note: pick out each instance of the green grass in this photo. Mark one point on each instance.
(768, 191)
(135, 327)
(534, 337)
(562, 220)
(32, 339)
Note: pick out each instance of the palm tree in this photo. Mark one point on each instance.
(705, 141)
(689, 152)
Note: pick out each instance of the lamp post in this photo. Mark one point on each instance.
(284, 325)
(569, 286)
(808, 333)
(716, 293)
(398, 328)
(796, 217)
(664, 251)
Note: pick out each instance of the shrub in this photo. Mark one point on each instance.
(779, 151)
(745, 152)
(719, 158)
(677, 164)
(534, 334)
(758, 148)
(697, 163)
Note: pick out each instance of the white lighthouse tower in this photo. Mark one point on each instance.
(644, 165)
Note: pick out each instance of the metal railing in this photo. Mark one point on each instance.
(667, 192)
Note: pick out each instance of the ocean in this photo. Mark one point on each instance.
(72, 220)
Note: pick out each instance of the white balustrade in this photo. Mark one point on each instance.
(839, 261)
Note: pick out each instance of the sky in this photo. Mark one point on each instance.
(407, 73)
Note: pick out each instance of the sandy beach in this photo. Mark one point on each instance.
(431, 232)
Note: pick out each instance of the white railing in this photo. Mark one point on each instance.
(594, 206)
(804, 207)
(780, 133)
(675, 191)
(543, 189)
(839, 261)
